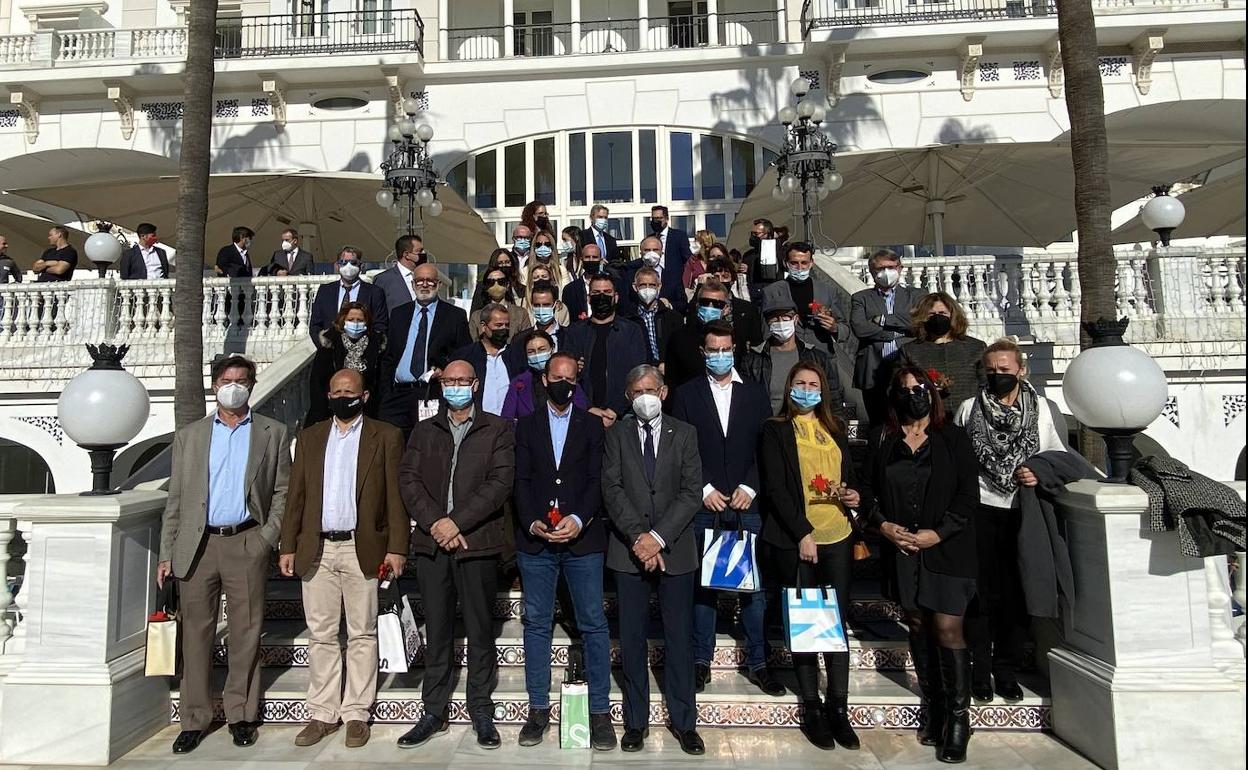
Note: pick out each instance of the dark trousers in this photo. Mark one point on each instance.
(443, 579)
(996, 621)
(676, 610)
(834, 568)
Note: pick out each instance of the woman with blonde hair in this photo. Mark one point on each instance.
(703, 240)
(942, 348)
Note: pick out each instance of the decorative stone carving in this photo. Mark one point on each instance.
(123, 101)
(27, 104)
(1053, 66)
(275, 89)
(1145, 49)
(968, 53)
(836, 66)
(394, 86)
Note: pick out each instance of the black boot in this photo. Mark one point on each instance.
(932, 716)
(837, 709)
(955, 671)
(815, 725)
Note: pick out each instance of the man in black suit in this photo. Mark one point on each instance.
(712, 302)
(576, 294)
(658, 321)
(492, 358)
(349, 288)
(145, 260)
(609, 346)
(396, 281)
(596, 233)
(290, 259)
(652, 487)
(758, 273)
(542, 307)
(727, 413)
(674, 253)
(560, 530)
(880, 319)
(423, 335)
(233, 261)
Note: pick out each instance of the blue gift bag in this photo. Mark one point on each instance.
(728, 561)
(812, 621)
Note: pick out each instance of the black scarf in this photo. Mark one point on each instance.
(1004, 437)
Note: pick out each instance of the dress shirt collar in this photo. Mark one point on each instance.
(403, 271)
(353, 427)
(734, 378)
(216, 419)
(555, 415)
(472, 413)
(654, 424)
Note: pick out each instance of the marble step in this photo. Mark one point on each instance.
(876, 700)
(875, 647)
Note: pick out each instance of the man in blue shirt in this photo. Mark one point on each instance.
(222, 519)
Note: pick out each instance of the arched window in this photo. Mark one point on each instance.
(23, 471)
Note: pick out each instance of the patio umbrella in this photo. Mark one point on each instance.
(1214, 208)
(28, 235)
(328, 209)
(1004, 194)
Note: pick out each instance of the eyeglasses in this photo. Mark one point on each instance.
(459, 381)
(496, 282)
(917, 390)
(708, 302)
(425, 281)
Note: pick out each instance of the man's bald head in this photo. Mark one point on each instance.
(346, 382)
(425, 281)
(459, 370)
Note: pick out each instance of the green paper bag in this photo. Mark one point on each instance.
(574, 716)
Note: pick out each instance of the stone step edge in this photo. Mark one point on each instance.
(514, 711)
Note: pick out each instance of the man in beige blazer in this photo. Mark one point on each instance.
(344, 522)
(221, 523)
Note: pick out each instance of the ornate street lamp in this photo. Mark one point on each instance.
(1116, 390)
(806, 165)
(1162, 213)
(101, 410)
(103, 248)
(411, 181)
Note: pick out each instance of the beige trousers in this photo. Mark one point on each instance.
(335, 582)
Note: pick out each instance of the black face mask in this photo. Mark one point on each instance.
(346, 407)
(601, 305)
(937, 325)
(498, 337)
(560, 392)
(755, 242)
(656, 225)
(1001, 384)
(911, 406)
(591, 268)
(543, 223)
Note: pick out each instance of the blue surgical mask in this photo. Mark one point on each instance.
(720, 362)
(543, 251)
(799, 275)
(355, 329)
(805, 399)
(543, 315)
(565, 248)
(600, 224)
(707, 314)
(537, 361)
(521, 245)
(457, 396)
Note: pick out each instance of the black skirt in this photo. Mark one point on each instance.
(915, 587)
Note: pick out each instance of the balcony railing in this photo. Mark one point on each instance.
(830, 14)
(655, 33)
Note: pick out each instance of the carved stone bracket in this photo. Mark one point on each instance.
(394, 87)
(1053, 68)
(836, 65)
(27, 104)
(968, 55)
(275, 89)
(123, 101)
(1145, 49)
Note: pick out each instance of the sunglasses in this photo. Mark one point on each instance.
(496, 282)
(717, 303)
(917, 390)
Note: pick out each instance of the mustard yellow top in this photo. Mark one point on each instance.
(819, 455)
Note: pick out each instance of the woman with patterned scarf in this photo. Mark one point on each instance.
(1009, 422)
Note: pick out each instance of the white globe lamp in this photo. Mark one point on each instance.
(103, 248)
(101, 410)
(1163, 213)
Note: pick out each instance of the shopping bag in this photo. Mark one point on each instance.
(574, 716)
(162, 633)
(812, 620)
(728, 561)
(398, 636)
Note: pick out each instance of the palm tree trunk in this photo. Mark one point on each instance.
(193, 169)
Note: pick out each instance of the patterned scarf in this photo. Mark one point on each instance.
(355, 353)
(1004, 437)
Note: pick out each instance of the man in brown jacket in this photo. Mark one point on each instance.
(455, 477)
(344, 524)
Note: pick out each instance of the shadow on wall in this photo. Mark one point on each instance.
(956, 131)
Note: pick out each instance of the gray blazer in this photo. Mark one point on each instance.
(667, 506)
(864, 307)
(391, 282)
(186, 511)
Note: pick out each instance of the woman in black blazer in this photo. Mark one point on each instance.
(807, 528)
(924, 491)
(350, 343)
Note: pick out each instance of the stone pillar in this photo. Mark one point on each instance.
(712, 22)
(1135, 685)
(79, 695)
(574, 15)
(444, 24)
(643, 25)
(509, 28)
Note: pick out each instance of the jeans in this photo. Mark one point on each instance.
(583, 574)
(753, 605)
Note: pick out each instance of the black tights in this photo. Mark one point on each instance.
(834, 567)
(945, 630)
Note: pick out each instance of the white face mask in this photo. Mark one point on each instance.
(782, 330)
(647, 406)
(349, 271)
(233, 395)
(652, 258)
(696, 248)
(648, 294)
(887, 278)
(287, 246)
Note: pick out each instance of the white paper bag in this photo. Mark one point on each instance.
(398, 636)
(767, 252)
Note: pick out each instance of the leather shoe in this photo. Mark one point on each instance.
(764, 680)
(982, 692)
(1009, 691)
(358, 734)
(701, 675)
(691, 742)
(426, 728)
(534, 729)
(634, 739)
(314, 732)
(483, 725)
(601, 732)
(187, 741)
(244, 733)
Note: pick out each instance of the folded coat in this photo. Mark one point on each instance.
(1043, 559)
(1208, 515)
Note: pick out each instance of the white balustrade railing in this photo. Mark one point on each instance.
(158, 43)
(17, 49)
(86, 45)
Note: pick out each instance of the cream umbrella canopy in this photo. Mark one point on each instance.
(1007, 194)
(1214, 208)
(328, 209)
(28, 235)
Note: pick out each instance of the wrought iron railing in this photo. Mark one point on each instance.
(302, 34)
(831, 14)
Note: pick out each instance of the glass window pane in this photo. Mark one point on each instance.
(718, 224)
(544, 170)
(515, 175)
(682, 166)
(649, 163)
(683, 223)
(621, 228)
(457, 180)
(613, 167)
(769, 158)
(743, 179)
(712, 151)
(576, 169)
(486, 177)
